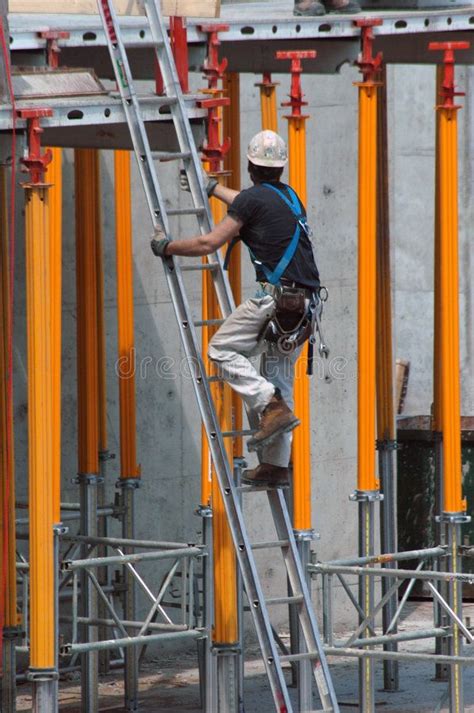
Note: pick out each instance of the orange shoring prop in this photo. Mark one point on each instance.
(268, 103)
(225, 630)
(367, 480)
(231, 127)
(297, 179)
(55, 227)
(453, 501)
(125, 313)
(40, 412)
(87, 167)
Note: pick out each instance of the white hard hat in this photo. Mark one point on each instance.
(267, 149)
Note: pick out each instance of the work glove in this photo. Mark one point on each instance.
(159, 243)
(209, 183)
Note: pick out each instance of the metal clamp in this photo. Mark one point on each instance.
(366, 496)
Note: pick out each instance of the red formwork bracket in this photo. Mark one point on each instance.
(52, 47)
(214, 150)
(296, 94)
(212, 68)
(448, 91)
(179, 46)
(35, 162)
(368, 64)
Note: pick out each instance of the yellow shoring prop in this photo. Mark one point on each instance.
(231, 127)
(268, 103)
(55, 227)
(453, 501)
(87, 189)
(125, 313)
(7, 463)
(301, 452)
(40, 410)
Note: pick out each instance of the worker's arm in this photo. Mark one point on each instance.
(224, 194)
(205, 244)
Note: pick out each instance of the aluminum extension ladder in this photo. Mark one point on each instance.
(188, 153)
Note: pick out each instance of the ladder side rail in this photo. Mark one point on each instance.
(200, 383)
(186, 141)
(305, 610)
(235, 518)
(141, 144)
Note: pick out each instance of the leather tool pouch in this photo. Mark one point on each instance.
(291, 324)
(290, 309)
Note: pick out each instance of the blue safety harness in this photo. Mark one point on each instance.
(274, 276)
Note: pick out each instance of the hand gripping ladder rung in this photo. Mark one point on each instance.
(190, 342)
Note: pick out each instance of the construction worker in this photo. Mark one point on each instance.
(271, 220)
(314, 8)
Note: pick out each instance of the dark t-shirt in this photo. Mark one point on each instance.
(268, 227)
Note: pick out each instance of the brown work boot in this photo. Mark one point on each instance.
(308, 8)
(266, 474)
(277, 418)
(344, 7)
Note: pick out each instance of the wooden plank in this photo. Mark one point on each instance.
(182, 8)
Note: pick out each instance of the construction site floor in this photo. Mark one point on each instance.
(171, 684)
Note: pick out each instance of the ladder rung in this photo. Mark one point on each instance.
(209, 322)
(170, 155)
(235, 434)
(275, 601)
(212, 379)
(299, 657)
(187, 211)
(268, 545)
(203, 266)
(259, 488)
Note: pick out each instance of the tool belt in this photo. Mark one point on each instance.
(296, 317)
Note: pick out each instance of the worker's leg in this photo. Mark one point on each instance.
(279, 370)
(233, 344)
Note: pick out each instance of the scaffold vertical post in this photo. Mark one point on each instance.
(87, 181)
(301, 452)
(129, 469)
(367, 492)
(454, 505)
(42, 671)
(386, 436)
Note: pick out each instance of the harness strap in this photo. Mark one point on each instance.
(274, 276)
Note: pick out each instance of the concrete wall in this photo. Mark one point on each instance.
(168, 424)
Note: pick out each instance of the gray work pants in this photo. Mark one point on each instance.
(231, 348)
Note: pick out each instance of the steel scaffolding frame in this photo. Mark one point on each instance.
(196, 617)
